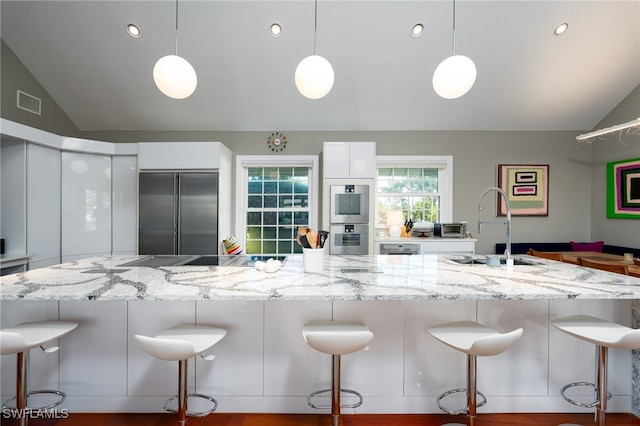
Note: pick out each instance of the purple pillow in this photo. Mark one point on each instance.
(595, 246)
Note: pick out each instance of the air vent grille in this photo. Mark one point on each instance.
(28, 102)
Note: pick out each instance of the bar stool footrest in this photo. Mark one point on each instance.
(62, 397)
(193, 413)
(464, 410)
(316, 393)
(578, 403)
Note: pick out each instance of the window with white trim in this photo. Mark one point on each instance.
(276, 196)
(420, 187)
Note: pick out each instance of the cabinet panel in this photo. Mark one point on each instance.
(43, 206)
(149, 375)
(459, 246)
(43, 369)
(362, 160)
(335, 160)
(238, 367)
(291, 367)
(178, 155)
(125, 182)
(354, 160)
(86, 204)
(94, 355)
(466, 246)
(13, 196)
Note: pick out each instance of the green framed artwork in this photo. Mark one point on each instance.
(623, 189)
(526, 187)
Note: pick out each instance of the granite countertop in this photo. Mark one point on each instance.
(423, 277)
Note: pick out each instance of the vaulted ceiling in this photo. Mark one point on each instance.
(527, 79)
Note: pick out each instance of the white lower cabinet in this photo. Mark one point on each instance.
(238, 368)
(44, 370)
(93, 361)
(445, 246)
(264, 365)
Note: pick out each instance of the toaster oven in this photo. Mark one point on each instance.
(453, 230)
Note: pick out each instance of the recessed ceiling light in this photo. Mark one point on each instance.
(275, 29)
(561, 29)
(417, 30)
(134, 31)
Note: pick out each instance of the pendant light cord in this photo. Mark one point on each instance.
(176, 27)
(454, 27)
(315, 26)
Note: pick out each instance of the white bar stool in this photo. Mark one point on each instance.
(336, 338)
(604, 334)
(475, 340)
(179, 344)
(19, 340)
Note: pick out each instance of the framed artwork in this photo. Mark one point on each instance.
(527, 189)
(623, 189)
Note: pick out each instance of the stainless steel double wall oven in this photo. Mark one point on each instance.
(349, 231)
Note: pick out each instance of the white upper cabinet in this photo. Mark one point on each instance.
(12, 195)
(125, 200)
(350, 160)
(43, 205)
(67, 198)
(86, 205)
(179, 155)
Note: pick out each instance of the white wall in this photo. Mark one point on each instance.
(614, 147)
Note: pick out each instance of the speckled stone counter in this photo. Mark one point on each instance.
(345, 278)
(396, 295)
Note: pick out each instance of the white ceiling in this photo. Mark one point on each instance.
(527, 78)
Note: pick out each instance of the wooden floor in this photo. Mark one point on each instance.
(225, 419)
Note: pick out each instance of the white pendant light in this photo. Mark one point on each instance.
(174, 75)
(314, 77)
(314, 74)
(456, 75)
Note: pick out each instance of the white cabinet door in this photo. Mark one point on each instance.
(43, 206)
(12, 195)
(86, 205)
(448, 246)
(355, 160)
(362, 160)
(335, 160)
(179, 155)
(125, 181)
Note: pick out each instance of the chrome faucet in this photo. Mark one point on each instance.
(508, 222)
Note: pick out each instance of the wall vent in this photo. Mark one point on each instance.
(28, 102)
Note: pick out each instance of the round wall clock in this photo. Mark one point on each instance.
(277, 142)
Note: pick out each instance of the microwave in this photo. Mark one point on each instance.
(453, 230)
(349, 203)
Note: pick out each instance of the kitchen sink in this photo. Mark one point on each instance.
(483, 261)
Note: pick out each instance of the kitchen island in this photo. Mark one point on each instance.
(263, 364)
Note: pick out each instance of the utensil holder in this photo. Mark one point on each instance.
(313, 259)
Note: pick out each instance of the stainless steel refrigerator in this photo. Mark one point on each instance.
(178, 213)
